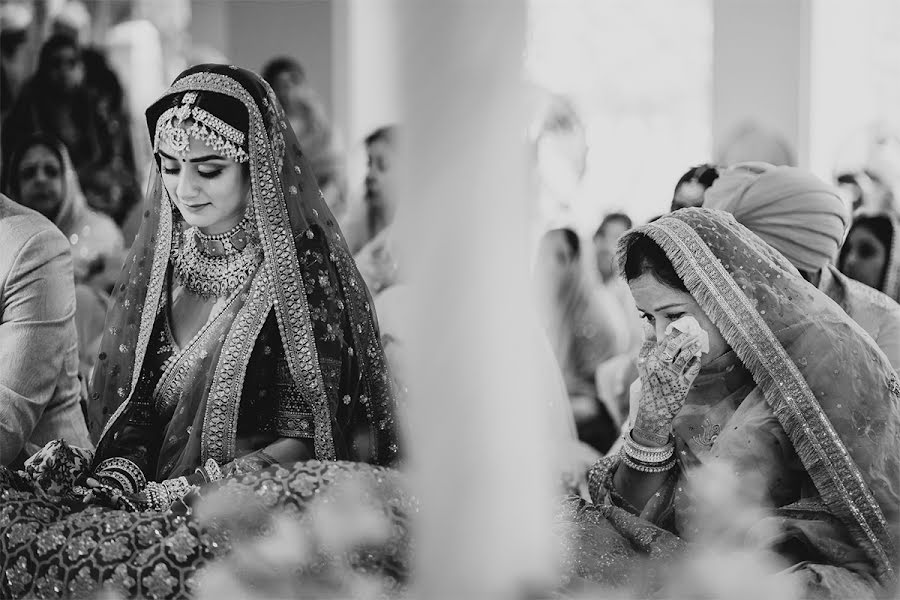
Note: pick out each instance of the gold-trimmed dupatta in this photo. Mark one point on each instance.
(833, 391)
(294, 224)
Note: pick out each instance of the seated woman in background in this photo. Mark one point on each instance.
(871, 254)
(41, 177)
(368, 223)
(776, 382)
(583, 331)
(305, 113)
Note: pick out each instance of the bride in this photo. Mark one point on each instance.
(242, 349)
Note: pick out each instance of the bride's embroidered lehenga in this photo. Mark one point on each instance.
(292, 351)
(804, 405)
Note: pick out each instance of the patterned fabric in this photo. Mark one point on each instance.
(307, 285)
(52, 547)
(56, 467)
(805, 399)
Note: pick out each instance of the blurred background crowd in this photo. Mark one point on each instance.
(636, 108)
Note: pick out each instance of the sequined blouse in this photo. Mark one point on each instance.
(271, 404)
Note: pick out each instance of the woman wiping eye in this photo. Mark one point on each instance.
(779, 387)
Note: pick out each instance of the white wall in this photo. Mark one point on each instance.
(250, 32)
(365, 84)
(366, 78)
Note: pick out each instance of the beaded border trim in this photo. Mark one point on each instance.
(117, 467)
(208, 128)
(637, 465)
(647, 454)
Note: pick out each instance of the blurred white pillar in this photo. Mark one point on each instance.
(761, 68)
(365, 79)
(480, 429)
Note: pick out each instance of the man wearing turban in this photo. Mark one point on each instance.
(806, 219)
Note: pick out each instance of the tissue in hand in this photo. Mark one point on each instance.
(690, 326)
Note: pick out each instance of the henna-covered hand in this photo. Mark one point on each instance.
(667, 371)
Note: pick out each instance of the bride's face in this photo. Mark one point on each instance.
(210, 190)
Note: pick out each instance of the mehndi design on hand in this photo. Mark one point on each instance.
(667, 371)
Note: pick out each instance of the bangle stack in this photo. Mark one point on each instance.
(161, 495)
(126, 475)
(647, 459)
(176, 488)
(157, 496)
(210, 471)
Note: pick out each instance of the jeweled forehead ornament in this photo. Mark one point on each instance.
(177, 125)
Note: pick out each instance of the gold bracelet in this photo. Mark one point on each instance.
(117, 464)
(176, 488)
(121, 480)
(647, 454)
(212, 470)
(157, 496)
(637, 466)
(660, 440)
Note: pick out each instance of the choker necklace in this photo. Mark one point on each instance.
(232, 241)
(213, 266)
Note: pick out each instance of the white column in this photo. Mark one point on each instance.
(479, 426)
(761, 68)
(365, 77)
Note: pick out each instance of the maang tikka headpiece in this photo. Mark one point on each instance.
(216, 133)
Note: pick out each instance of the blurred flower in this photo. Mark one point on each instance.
(338, 546)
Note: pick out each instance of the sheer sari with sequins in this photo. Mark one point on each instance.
(804, 411)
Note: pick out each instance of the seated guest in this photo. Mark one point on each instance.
(772, 382)
(39, 389)
(805, 219)
(582, 332)
(305, 112)
(614, 375)
(377, 259)
(690, 188)
(611, 229)
(870, 253)
(40, 176)
(57, 101)
(367, 220)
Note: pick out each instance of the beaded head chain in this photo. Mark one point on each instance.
(180, 123)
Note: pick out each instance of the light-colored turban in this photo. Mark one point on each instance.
(794, 211)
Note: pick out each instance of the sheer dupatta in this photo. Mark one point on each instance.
(831, 388)
(307, 279)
